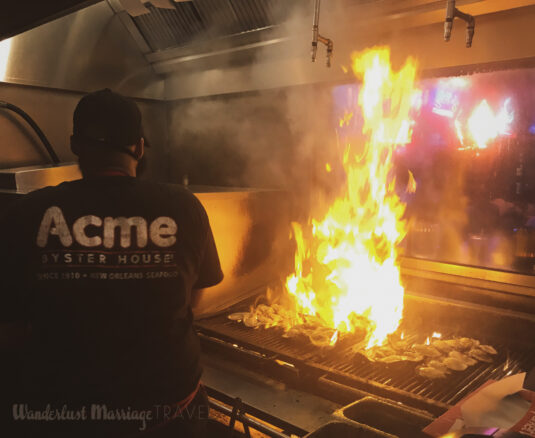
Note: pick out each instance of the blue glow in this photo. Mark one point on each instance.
(446, 102)
(532, 129)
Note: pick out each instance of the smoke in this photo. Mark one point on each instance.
(273, 126)
(278, 137)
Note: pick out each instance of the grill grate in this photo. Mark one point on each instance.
(396, 381)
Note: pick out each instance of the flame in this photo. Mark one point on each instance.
(328, 168)
(459, 130)
(436, 335)
(346, 270)
(484, 126)
(411, 184)
(344, 121)
(334, 338)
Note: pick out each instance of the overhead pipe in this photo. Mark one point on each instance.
(316, 37)
(451, 13)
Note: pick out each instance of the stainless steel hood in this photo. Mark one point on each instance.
(175, 49)
(19, 16)
(202, 20)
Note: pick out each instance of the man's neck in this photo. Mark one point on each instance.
(108, 171)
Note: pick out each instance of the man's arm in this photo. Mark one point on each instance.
(196, 295)
(210, 272)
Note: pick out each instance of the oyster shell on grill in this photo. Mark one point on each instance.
(455, 364)
(480, 355)
(440, 366)
(426, 350)
(413, 357)
(250, 320)
(488, 349)
(392, 359)
(238, 316)
(442, 346)
(463, 358)
(431, 373)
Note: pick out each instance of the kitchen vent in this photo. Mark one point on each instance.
(202, 20)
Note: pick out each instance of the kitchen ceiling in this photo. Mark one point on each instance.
(202, 20)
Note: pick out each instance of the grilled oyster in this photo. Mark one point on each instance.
(238, 316)
(440, 366)
(455, 364)
(488, 349)
(442, 346)
(463, 358)
(426, 350)
(321, 338)
(413, 357)
(392, 359)
(385, 351)
(250, 320)
(480, 355)
(431, 373)
(468, 343)
(401, 345)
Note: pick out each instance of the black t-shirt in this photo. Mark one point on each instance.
(103, 270)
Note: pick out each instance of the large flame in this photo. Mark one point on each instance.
(484, 125)
(346, 270)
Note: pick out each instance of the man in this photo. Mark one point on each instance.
(103, 272)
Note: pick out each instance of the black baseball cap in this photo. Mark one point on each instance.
(107, 119)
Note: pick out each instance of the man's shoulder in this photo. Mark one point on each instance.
(166, 190)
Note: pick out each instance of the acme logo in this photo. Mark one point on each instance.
(161, 231)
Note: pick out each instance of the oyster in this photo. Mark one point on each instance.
(238, 316)
(467, 343)
(392, 359)
(488, 349)
(431, 373)
(443, 346)
(426, 350)
(413, 357)
(250, 320)
(455, 364)
(401, 345)
(480, 355)
(463, 358)
(438, 366)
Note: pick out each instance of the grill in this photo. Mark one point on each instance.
(340, 365)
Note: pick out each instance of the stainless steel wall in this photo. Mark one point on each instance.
(271, 139)
(52, 110)
(84, 51)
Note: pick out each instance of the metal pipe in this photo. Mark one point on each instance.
(316, 37)
(35, 127)
(315, 30)
(451, 13)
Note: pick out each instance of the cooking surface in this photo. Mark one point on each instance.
(397, 381)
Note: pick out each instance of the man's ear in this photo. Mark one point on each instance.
(139, 149)
(74, 147)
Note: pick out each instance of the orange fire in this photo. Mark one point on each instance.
(346, 269)
(484, 125)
